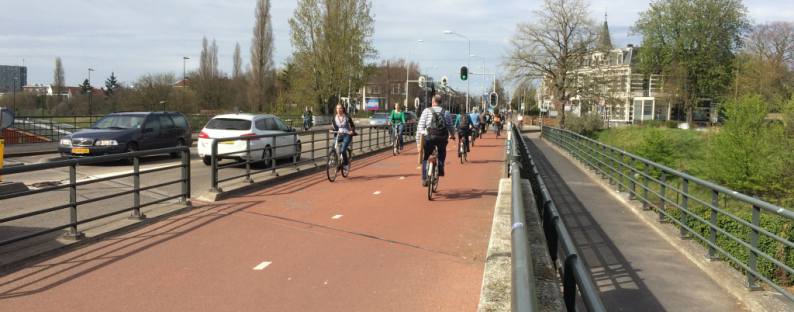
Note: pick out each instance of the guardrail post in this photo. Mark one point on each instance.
(611, 166)
(602, 165)
(185, 176)
(274, 149)
(620, 173)
(685, 189)
(646, 205)
(136, 186)
(313, 160)
(662, 198)
(751, 284)
(715, 200)
(73, 234)
(369, 144)
(591, 154)
(214, 167)
(297, 147)
(631, 178)
(248, 161)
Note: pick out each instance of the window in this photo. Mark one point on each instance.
(120, 121)
(260, 124)
(179, 121)
(373, 90)
(281, 125)
(637, 110)
(648, 110)
(152, 122)
(229, 124)
(166, 122)
(270, 125)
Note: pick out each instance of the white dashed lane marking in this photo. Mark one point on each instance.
(376, 193)
(262, 265)
(402, 178)
(336, 217)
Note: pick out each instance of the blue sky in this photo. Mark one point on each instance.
(132, 38)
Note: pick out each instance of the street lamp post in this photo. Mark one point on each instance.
(483, 77)
(428, 71)
(184, 79)
(15, 95)
(89, 91)
(468, 63)
(163, 102)
(407, 67)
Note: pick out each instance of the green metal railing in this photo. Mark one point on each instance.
(628, 171)
(573, 273)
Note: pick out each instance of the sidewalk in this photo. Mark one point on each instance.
(633, 267)
(371, 242)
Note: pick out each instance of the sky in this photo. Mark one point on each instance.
(132, 38)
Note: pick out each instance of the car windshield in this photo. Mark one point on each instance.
(120, 122)
(229, 124)
(380, 116)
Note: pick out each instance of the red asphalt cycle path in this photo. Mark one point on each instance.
(392, 251)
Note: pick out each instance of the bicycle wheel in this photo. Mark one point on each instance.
(435, 179)
(395, 147)
(461, 152)
(346, 171)
(333, 166)
(430, 180)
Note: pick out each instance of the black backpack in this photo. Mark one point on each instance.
(437, 131)
(463, 122)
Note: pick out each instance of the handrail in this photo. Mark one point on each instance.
(380, 136)
(611, 163)
(73, 184)
(573, 272)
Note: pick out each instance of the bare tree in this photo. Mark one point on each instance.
(150, 90)
(773, 41)
(237, 69)
(58, 81)
(766, 62)
(260, 80)
(209, 82)
(551, 47)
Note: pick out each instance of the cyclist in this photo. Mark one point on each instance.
(307, 119)
(434, 137)
(497, 120)
(343, 123)
(475, 121)
(520, 118)
(484, 121)
(397, 118)
(463, 123)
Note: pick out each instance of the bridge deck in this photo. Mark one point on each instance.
(392, 251)
(634, 268)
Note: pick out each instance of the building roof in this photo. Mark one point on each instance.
(183, 83)
(604, 40)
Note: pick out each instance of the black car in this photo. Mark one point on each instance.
(128, 132)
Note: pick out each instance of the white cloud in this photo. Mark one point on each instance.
(132, 38)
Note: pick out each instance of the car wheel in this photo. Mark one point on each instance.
(130, 148)
(267, 154)
(207, 160)
(179, 143)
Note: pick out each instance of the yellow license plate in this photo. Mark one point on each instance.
(226, 142)
(79, 151)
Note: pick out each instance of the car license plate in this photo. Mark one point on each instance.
(226, 142)
(79, 151)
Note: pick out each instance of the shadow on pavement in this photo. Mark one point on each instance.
(619, 285)
(462, 194)
(49, 274)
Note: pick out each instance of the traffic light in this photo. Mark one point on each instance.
(444, 81)
(494, 99)
(464, 73)
(422, 82)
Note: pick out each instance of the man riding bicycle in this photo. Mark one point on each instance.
(475, 121)
(397, 119)
(497, 120)
(307, 118)
(484, 122)
(436, 124)
(464, 124)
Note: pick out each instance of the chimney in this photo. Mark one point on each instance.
(630, 46)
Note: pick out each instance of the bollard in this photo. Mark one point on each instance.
(2, 149)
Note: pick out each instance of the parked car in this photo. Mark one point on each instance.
(382, 119)
(128, 132)
(241, 125)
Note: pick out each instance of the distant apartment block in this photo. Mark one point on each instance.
(8, 73)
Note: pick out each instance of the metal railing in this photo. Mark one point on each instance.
(621, 168)
(573, 272)
(523, 296)
(320, 143)
(34, 129)
(74, 204)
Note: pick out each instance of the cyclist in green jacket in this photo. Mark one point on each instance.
(397, 122)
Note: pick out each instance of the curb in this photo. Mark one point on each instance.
(19, 259)
(720, 272)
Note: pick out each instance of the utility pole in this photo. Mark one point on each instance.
(89, 91)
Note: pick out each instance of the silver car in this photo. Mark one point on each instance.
(382, 119)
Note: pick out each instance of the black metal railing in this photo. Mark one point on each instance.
(34, 129)
(573, 272)
(319, 143)
(628, 170)
(74, 203)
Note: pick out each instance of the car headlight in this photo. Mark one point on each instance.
(66, 142)
(106, 143)
(371, 122)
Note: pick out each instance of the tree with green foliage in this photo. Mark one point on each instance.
(700, 36)
(111, 84)
(331, 41)
(751, 154)
(86, 86)
(658, 147)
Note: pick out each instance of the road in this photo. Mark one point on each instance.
(200, 182)
(370, 242)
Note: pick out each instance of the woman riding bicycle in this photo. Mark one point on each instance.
(344, 124)
(397, 120)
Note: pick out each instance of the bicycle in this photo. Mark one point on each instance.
(475, 132)
(462, 149)
(307, 125)
(498, 129)
(396, 146)
(432, 174)
(335, 163)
